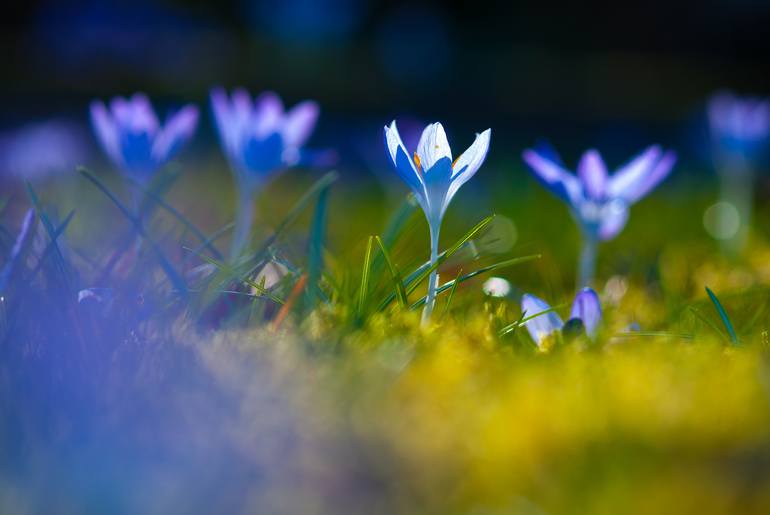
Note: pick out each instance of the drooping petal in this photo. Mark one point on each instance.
(433, 146)
(625, 183)
(558, 180)
(299, 123)
(588, 310)
(399, 156)
(593, 174)
(613, 217)
(467, 165)
(268, 114)
(178, 130)
(543, 326)
(656, 175)
(106, 131)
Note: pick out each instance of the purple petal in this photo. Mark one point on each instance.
(224, 118)
(143, 117)
(558, 180)
(106, 132)
(178, 130)
(541, 326)
(658, 173)
(268, 115)
(593, 174)
(588, 310)
(627, 182)
(614, 216)
(403, 164)
(299, 123)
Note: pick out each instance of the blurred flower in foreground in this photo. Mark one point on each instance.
(42, 149)
(131, 135)
(599, 202)
(260, 139)
(435, 179)
(586, 308)
(740, 127)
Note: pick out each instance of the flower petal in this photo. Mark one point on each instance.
(588, 310)
(106, 131)
(558, 180)
(399, 156)
(299, 123)
(178, 129)
(467, 165)
(593, 174)
(614, 216)
(656, 175)
(433, 146)
(626, 182)
(268, 114)
(540, 327)
(225, 120)
(143, 118)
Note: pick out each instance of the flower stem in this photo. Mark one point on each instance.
(587, 266)
(243, 220)
(433, 279)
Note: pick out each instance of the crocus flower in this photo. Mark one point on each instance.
(600, 201)
(260, 139)
(434, 178)
(740, 127)
(133, 138)
(739, 123)
(586, 308)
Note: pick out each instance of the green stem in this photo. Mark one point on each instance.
(244, 217)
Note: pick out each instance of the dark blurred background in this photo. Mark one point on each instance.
(618, 76)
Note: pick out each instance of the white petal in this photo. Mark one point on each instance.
(468, 164)
(433, 146)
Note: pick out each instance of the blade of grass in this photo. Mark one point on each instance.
(398, 283)
(172, 275)
(149, 194)
(452, 291)
(228, 271)
(709, 323)
(49, 228)
(19, 247)
(50, 247)
(414, 279)
(316, 247)
(394, 227)
(471, 275)
(653, 334)
(723, 315)
(363, 290)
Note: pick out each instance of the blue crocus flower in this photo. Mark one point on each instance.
(600, 201)
(740, 124)
(586, 307)
(133, 138)
(434, 178)
(260, 139)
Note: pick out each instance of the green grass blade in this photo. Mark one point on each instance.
(228, 271)
(52, 235)
(51, 245)
(316, 247)
(151, 195)
(398, 283)
(172, 274)
(723, 315)
(394, 227)
(502, 264)
(363, 290)
(414, 279)
(700, 316)
(451, 293)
